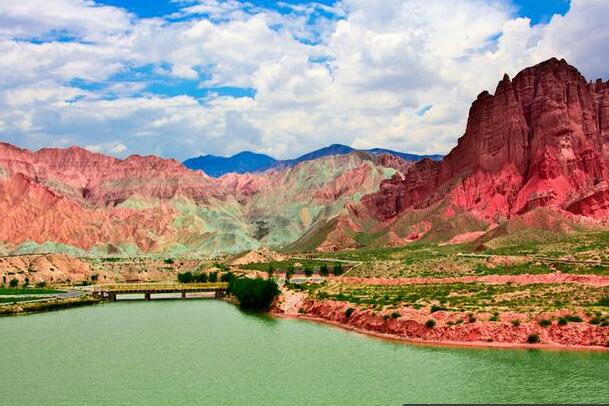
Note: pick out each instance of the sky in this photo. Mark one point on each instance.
(182, 78)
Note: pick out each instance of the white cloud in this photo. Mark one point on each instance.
(362, 79)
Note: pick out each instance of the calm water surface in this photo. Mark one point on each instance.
(207, 352)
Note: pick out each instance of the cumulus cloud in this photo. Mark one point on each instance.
(399, 74)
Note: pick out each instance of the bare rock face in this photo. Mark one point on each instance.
(541, 140)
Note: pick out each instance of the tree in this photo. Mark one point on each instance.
(26, 282)
(227, 277)
(308, 270)
(254, 294)
(94, 277)
(213, 277)
(201, 277)
(185, 277)
(323, 270)
(13, 283)
(289, 273)
(270, 270)
(337, 269)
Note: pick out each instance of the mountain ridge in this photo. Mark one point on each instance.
(252, 162)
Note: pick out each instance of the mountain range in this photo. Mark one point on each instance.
(249, 162)
(534, 159)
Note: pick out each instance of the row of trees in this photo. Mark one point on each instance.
(202, 277)
(308, 270)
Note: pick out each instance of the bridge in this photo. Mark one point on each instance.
(147, 289)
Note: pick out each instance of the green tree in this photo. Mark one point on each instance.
(254, 294)
(201, 277)
(227, 277)
(26, 282)
(213, 277)
(13, 283)
(308, 270)
(323, 270)
(185, 277)
(270, 270)
(337, 269)
(289, 273)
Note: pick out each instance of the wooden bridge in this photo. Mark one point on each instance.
(147, 289)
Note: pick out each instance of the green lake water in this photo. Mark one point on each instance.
(207, 352)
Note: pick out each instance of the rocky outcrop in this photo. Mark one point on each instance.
(541, 140)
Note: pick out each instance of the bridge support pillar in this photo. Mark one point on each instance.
(183, 295)
(219, 294)
(112, 296)
(147, 295)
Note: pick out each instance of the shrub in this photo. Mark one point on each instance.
(168, 261)
(431, 323)
(349, 312)
(323, 270)
(41, 284)
(254, 294)
(385, 317)
(26, 282)
(515, 322)
(436, 308)
(308, 271)
(301, 310)
(563, 321)
(596, 320)
(395, 315)
(213, 277)
(94, 277)
(471, 318)
(603, 301)
(270, 270)
(494, 317)
(337, 269)
(533, 339)
(13, 283)
(545, 323)
(574, 318)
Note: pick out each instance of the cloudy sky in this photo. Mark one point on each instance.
(180, 78)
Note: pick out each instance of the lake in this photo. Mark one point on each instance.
(208, 352)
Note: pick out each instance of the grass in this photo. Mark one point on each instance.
(27, 291)
(17, 299)
(475, 297)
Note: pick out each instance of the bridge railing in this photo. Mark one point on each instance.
(152, 287)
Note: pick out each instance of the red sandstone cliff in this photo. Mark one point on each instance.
(541, 140)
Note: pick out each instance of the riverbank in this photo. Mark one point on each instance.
(47, 305)
(411, 325)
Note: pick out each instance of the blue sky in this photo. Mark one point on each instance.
(182, 78)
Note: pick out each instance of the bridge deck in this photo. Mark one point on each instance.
(124, 288)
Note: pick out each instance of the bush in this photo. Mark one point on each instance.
(603, 302)
(494, 317)
(323, 270)
(431, 323)
(533, 339)
(270, 270)
(395, 315)
(545, 323)
(471, 318)
(337, 269)
(436, 308)
(213, 277)
(13, 283)
(308, 271)
(574, 318)
(515, 322)
(349, 312)
(563, 321)
(168, 261)
(254, 294)
(26, 282)
(41, 284)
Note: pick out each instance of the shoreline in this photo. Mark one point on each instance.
(443, 343)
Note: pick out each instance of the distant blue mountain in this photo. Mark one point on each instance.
(243, 162)
(247, 161)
